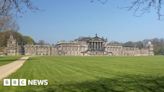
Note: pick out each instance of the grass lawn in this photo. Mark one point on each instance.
(92, 74)
(7, 59)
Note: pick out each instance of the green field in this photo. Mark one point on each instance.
(93, 74)
(7, 59)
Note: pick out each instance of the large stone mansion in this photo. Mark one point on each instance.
(84, 46)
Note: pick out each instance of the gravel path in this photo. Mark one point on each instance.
(10, 68)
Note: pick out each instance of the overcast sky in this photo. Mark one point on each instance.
(68, 19)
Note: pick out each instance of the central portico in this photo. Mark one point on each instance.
(96, 44)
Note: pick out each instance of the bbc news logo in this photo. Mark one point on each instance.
(24, 82)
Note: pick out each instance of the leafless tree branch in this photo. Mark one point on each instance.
(140, 7)
(15, 6)
(8, 23)
(143, 6)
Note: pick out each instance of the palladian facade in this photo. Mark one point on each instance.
(83, 46)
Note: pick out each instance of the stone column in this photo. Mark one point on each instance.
(98, 46)
(92, 45)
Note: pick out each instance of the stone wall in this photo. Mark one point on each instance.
(88, 47)
(37, 50)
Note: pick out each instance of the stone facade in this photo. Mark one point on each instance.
(37, 50)
(84, 46)
(12, 46)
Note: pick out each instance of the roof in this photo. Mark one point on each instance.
(88, 39)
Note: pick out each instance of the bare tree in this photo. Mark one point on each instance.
(15, 6)
(141, 7)
(10, 8)
(138, 6)
(8, 23)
